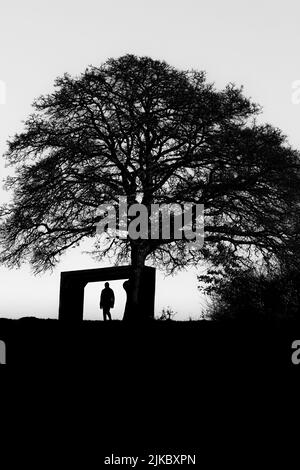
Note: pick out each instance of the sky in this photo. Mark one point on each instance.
(251, 43)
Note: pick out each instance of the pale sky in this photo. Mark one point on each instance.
(252, 43)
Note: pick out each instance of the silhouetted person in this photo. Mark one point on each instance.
(107, 301)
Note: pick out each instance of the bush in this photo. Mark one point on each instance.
(248, 294)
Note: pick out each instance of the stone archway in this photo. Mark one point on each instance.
(72, 284)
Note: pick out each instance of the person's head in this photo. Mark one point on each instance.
(106, 285)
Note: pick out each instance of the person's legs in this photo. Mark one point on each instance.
(104, 313)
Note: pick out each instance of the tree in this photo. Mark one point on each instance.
(139, 128)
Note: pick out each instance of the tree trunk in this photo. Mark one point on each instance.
(134, 307)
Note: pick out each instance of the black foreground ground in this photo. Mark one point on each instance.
(263, 344)
(213, 389)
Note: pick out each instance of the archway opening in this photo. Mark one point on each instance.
(92, 292)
